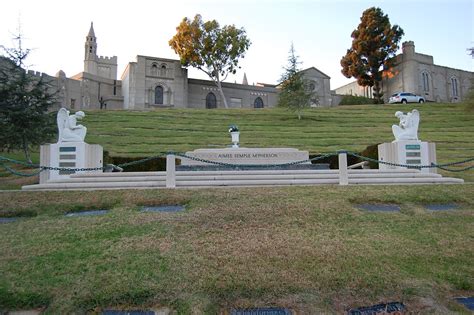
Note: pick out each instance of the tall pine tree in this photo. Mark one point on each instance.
(374, 44)
(24, 103)
(295, 94)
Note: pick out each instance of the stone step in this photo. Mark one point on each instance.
(197, 176)
(117, 174)
(398, 181)
(247, 172)
(94, 185)
(142, 180)
(256, 182)
(238, 182)
(109, 179)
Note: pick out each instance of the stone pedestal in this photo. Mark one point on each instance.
(69, 155)
(235, 139)
(410, 152)
(247, 156)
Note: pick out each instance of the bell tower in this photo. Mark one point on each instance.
(90, 55)
(101, 66)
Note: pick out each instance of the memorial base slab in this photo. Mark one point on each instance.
(69, 155)
(408, 152)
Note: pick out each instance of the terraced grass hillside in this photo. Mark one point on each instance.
(322, 130)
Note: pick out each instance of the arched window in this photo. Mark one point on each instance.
(258, 103)
(454, 86)
(154, 69)
(426, 81)
(159, 95)
(211, 101)
(163, 69)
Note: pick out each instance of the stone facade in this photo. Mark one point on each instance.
(320, 84)
(417, 73)
(153, 82)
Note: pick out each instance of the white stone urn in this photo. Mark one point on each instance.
(235, 138)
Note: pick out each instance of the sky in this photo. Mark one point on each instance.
(319, 30)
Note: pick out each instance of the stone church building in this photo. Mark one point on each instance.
(417, 73)
(153, 82)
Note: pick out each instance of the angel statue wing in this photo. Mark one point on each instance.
(415, 121)
(63, 115)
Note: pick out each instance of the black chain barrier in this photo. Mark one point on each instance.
(41, 168)
(432, 165)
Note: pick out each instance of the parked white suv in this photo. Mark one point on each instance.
(405, 97)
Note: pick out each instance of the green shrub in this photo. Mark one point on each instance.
(372, 152)
(158, 164)
(355, 100)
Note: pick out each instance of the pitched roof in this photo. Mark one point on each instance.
(313, 69)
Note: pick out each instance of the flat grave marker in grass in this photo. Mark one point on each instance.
(467, 302)
(86, 213)
(378, 207)
(24, 312)
(261, 311)
(387, 308)
(129, 312)
(441, 207)
(166, 208)
(8, 220)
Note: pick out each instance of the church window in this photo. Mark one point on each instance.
(211, 101)
(154, 69)
(258, 103)
(159, 95)
(426, 81)
(163, 70)
(454, 86)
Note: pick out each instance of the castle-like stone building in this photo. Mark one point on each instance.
(153, 82)
(417, 73)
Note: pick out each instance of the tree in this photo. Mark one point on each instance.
(374, 44)
(24, 103)
(210, 48)
(295, 94)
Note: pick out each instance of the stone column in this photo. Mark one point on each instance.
(343, 174)
(170, 171)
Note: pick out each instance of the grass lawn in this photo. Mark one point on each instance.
(306, 248)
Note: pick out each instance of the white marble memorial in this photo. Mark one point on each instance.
(407, 129)
(408, 152)
(70, 151)
(68, 129)
(407, 149)
(247, 156)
